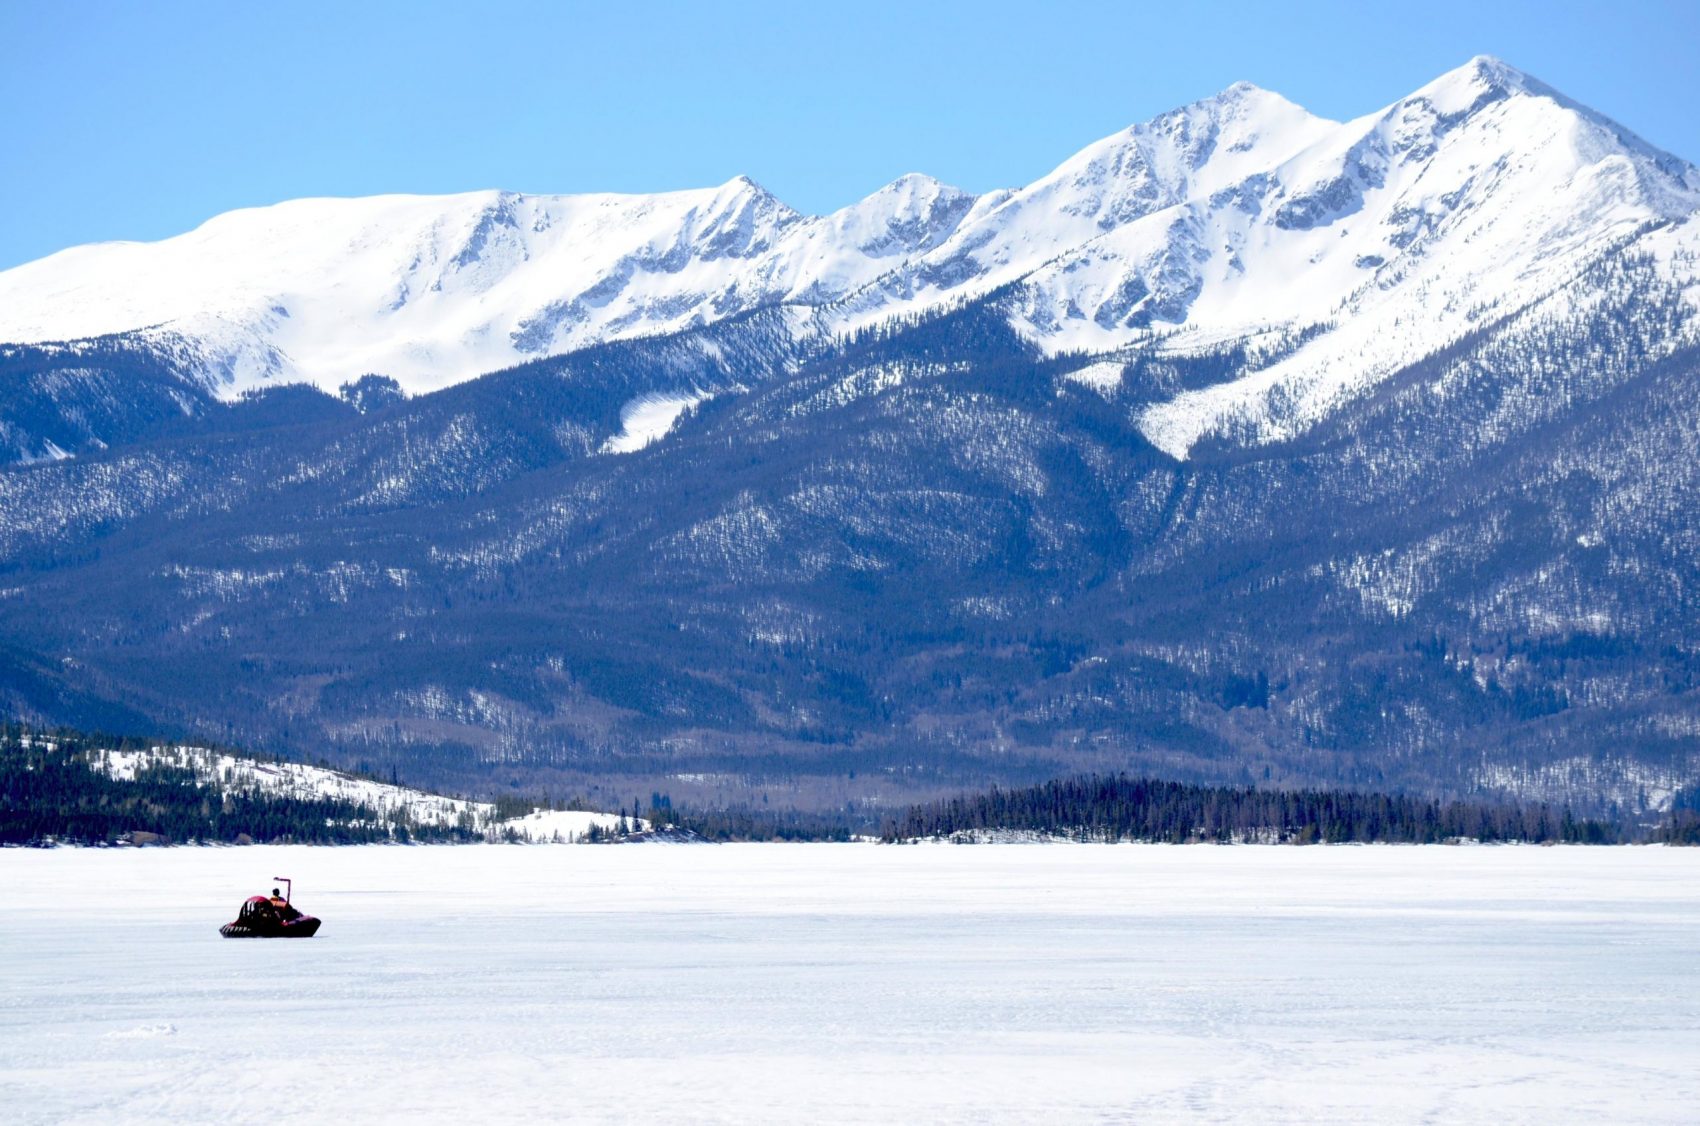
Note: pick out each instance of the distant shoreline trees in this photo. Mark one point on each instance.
(1120, 808)
(1682, 827)
(53, 789)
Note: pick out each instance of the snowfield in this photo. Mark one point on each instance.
(853, 983)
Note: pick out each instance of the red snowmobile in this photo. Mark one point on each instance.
(271, 917)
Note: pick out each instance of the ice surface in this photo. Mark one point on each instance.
(854, 983)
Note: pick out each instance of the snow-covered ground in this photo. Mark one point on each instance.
(854, 983)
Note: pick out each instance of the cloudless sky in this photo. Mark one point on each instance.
(141, 120)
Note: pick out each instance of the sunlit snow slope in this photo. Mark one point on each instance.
(301, 781)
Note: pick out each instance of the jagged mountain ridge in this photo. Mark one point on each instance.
(435, 290)
(1238, 219)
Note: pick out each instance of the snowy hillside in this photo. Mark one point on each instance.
(400, 803)
(1332, 252)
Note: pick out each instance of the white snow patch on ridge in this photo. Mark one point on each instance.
(1103, 378)
(648, 419)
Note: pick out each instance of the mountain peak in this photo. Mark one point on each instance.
(1481, 81)
(1241, 91)
(1494, 71)
(752, 204)
(1238, 100)
(911, 183)
(1486, 80)
(913, 213)
(742, 185)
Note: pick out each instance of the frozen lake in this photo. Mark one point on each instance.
(853, 983)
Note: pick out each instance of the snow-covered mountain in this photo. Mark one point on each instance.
(1332, 253)
(1245, 445)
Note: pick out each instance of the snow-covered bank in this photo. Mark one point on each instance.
(390, 801)
(843, 984)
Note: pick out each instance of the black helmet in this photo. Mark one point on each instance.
(275, 891)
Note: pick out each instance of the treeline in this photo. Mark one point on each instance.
(727, 825)
(1682, 827)
(1119, 808)
(50, 791)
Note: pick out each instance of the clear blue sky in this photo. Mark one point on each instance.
(140, 120)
